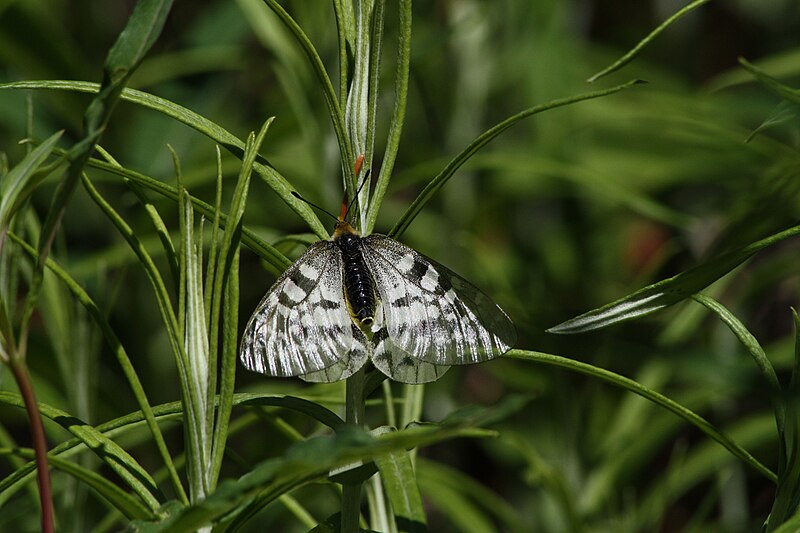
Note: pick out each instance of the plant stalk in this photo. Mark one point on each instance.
(354, 416)
(23, 379)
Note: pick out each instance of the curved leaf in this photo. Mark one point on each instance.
(628, 57)
(669, 291)
(637, 388)
(199, 123)
(485, 138)
(123, 502)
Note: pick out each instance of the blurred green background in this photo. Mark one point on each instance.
(564, 212)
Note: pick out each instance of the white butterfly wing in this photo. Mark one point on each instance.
(348, 365)
(397, 363)
(302, 326)
(432, 313)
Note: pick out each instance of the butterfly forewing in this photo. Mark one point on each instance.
(432, 313)
(302, 325)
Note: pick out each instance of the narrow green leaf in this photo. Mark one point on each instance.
(335, 111)
(398, 114)
(755, 349)
(485, 138)
(140, 33)
(790, 526)
(785, 112)
(199, 431)
(143, 27)
(313, 458)
(122, 358)
(400, 482)
(119, 426)
(669, 291)
(226, 292)
(113, 455)
(20, 182)
(250, 238)
(201, 124)
(155, 217)
(130, 506)
(637, 388)
(784, 91)
(787, 495)
(636, 50)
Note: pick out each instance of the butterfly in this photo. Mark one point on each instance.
(354, 299)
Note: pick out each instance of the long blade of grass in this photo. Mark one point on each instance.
(202, 125)
(637, 388)
(398, 114)
(669, 291)
(141, 31)
(16, 186)
(196, 347)
(756, 352)
(226, 292)
(112, 454)
(787, 496)
(119, 426)
(314, 458)
(118, 499)
(155, 217)
(335, 110)
(344, 29)
(784, 91)
(636, 50)
(485, 138)
(400, 482)
(250, 238)
(122, 358)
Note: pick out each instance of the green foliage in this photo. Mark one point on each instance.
(642, 195)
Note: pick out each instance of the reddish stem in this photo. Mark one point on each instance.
(23, 379)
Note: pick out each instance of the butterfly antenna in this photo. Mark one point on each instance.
(361, 186)
(296, 195)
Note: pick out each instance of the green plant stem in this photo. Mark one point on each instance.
(354, 416)
(23, 379)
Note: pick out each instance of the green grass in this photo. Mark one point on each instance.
(141, 223)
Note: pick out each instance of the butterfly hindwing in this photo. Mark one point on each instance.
(302, 325)
(432, 313)
(396, 362)
(347, 365)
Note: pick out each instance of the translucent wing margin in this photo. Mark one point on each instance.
(302, 326)
(432, 313)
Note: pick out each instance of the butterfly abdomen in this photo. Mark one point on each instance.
(358, 284)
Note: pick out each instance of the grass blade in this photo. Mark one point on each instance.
(637, 388)
(485, 138)
(201, 124)
(17, 185)
(755, 349)
(113, 455)
(399, 479)
(226, 292)
(398, 114)
(784, 91)
(122, 358)
(267, 252)
(669, 291)
(636, 50)
(118, 499)
(335, 110)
